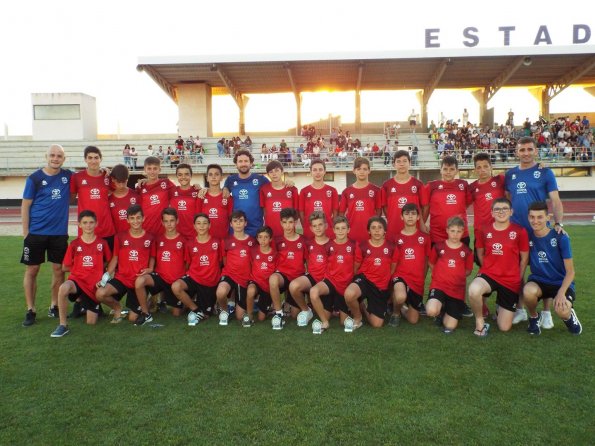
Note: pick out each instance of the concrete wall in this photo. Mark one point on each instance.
(195, 111)
(84, 128)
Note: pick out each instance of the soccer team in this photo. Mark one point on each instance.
(236, 250)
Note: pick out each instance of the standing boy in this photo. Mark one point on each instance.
(214, 204)
(318, 196)
(275, 196)
(121, 198)
(184, 200)
(155, 194)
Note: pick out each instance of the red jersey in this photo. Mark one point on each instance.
(450, 266)
(86, 262)
(483, 194)
(185, 202)
(237, 259)
(325, 199)
(263, 265)
(219, 210)
(273, 200)
(411, 256)
(291, 256)
(502, 254)
(205, 260)
(447, 200)
(375, 262)
(359, 205)
(396, 195)
(340, 264)
(93, 195)
(154, 198)
(316, 259)
(170, 257)
(118, 207)
(133, 255)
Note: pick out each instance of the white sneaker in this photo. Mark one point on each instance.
(223, 318)
(304, 318)
(519, 316)
(316, 327)
(349, 324)
(546, 320)
(192, 319)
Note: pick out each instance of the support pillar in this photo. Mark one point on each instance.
(194, 110)
(242, 107)
(423, 110)
(358, 112)
(480, 97)
(590, 90)
(540, 93)
(298, 124)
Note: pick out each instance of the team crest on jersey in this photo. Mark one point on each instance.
(147, 243)
(493, 183)
(371, 193)
(224, 202)
(368, 251)
(64, 180)
(536, 174)
(250, 243)
(463, 254)
(512, 235)
(421, 240)
(385, 250)
(461, 186)
(414, 189)
(299, 245)
(255, 182)
(289, 194)
(329, 193)
(99, 247)
(179, 245)
(351, 196)
(132, 200)
(348, 249)
(554, 242)
(106, 181)
(215, 245)
(84, 182)
(270, 258)
(269, 195)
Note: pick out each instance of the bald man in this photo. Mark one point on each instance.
(44, 212)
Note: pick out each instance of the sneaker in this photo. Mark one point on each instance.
(143, 318)
(247, 322)
(29, 318)
(394, 321)
(573, 324)
(304, 318)
(194, 317)
(533, 328)
(162, 307)
(447, 331)
(349, 324)
(278, 321)
(53, 311)
(467, 312)
(223, 318)
(77, 311)
(317, 327)
(519, 316)
(546, 320)
(438, 321)
(60, 331)
(422, 310)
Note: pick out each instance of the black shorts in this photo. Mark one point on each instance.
(206, 296)
(333, 301)
(505, 297)
(161, 286)
(239, 291)
(413, 300)
(86, 302)
(412, 122)
(450, 305)
(36, 246)
(377, 298)
(288, 297)
(263, 298)
(311, 279)
(549, 291)
(121, 289)
(110, 242)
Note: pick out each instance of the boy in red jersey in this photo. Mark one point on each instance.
(400, 190)
(184, 200)
(318, 196)
(92, 187)
(134, 255)
(85, 259)
(291, 255)
(169, 266)
(275, 196)
(155, 194)
(376, 267)
(360, 201)
(327, 296)
(451, 262)
(316, 261)
(411, 256)
(213, 203)
(204, 253)
(121, 198)
(236, 269)
(503, 253)
(447, 197)
(264, 263)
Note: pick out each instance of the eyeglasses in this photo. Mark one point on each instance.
(500, 210)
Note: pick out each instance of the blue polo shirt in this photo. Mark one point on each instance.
(546, 257)
(246, 197)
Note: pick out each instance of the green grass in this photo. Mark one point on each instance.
(213, 385)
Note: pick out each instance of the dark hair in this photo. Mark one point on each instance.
(92, 149)
(152, 161)
(502, 200)
(274, 165)
(119, 173)
(169, 211)
(238, 214)
(201, 214)
(243, 152)
(289, 213)
(340, 219)
(449, 161)
(377, 219)
(538, 206)
(87, 213)
(318, 161)
(482, 156)
(214, 166)
(409, 207)
(135, 209)
(360, 161)
(400, 153)
(526, 140)
(266, 229)
(184, 166)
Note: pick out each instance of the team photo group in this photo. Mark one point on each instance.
(256, 248)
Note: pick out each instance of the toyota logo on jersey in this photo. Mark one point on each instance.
(451, 199)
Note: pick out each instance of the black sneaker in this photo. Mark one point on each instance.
(162, 307)
(573, 324)
(143, 318)
(533, 328)
(29, 318)
(467, 312)
(422, 310)
(77, 311)
(53, 311)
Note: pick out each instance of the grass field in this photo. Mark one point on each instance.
(214, 385)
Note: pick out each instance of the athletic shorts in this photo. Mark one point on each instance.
(121, 289)
(86, 302)
(288, 297)
(333, 301)
(36, 246)
(412, 122)
(377, 299)
(505, 297)
(161, 286)
(413, 299)
(263, 298)
(450, 305)
(206, 296)
(240, 291)
(549, 291)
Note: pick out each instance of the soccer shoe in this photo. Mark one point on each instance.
(60, 331)
(53, 311)
(278, 321)
(349, 324)
(304, 318)
(519, 315)
(77, 311)
(162, 307)
(143, 318)
(533, 328)
(317, 327)
(447, 331)
(467, 312)
(483, 333)
(546, 320)
(395, 320)
(29, 318)
(194, 317)
(573, 324)
(247, 322)
(223, 318)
